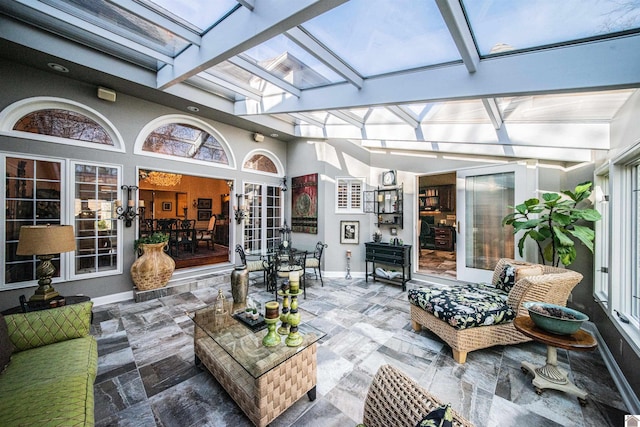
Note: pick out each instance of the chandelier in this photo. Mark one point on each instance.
(161, 179)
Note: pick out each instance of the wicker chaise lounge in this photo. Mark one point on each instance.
(396, 400)
(494, 327)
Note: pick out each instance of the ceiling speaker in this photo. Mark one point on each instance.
(258, 137)
(106, 94)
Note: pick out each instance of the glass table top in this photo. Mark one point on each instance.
(245, 346)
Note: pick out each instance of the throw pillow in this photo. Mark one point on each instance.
(514, 271)
(442, 416)
(6, 346)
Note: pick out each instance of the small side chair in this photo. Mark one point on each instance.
(314, 260)
(252, 265)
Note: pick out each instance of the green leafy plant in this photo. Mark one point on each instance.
(552, 223)
(149, 240)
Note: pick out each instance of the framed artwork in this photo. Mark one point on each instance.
(204, 215)
(349, 232)
(304, 204)
(167, 206)
(204, 203)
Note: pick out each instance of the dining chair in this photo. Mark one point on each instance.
(314, 260)
(208, 234)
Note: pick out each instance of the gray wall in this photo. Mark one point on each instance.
(129, 115)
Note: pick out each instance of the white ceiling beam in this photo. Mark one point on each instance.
(249, 4)
(220, 81)
(348, 117)
(242, 30)
(94, 29)
(606, 64)
(308, 119)
(451, 11)
(264, 75)
(309, 44)
(158, 19)
(405, 115)
(493, 111)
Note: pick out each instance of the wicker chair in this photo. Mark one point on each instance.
(553, 286)
(396, 400)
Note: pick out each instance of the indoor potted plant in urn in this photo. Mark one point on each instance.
(154, 267)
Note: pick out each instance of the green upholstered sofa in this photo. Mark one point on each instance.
(49, 380)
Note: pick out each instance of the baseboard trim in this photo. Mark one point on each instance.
(113, 298)
(626, 392)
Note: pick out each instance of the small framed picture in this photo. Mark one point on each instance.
(204, 203)
(166, 206)
(349, 232)
(204, 215)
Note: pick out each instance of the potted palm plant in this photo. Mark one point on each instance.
(154, 267)
(554, 222)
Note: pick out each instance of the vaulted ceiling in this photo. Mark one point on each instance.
(539, 78)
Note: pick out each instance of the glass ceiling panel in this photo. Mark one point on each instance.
(239, 76)
(381, 115)
(285, 59)
(501, 25)
(202, 14)
(379, 36)
(117, 20)
(595, 106)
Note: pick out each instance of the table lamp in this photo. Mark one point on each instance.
(45, 241)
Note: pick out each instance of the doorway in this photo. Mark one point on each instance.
(184, 207)
(437, 225)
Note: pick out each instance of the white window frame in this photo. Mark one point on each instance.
(602, 262)
(71, 215)
(622, 275)
(180, 118)
(14, 112)
(276, 161)
(350, 182)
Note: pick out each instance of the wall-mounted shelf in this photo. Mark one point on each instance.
(387, 204)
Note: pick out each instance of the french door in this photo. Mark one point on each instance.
(262, 226)
(484, 196)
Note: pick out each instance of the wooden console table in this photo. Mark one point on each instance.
(398, 256)
(550, 376)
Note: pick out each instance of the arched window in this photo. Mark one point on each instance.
(61, 121)
(184, 137)
(263, 161)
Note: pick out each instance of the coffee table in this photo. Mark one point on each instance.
(263, 381)
(550, 376)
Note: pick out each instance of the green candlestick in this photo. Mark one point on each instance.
(294, 338)
(272, 338)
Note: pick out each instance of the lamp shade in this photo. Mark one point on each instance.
(46, 239)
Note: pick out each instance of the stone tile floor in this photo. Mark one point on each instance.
(147, 377)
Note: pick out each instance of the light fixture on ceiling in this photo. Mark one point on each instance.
(193, 109)
(274, 135)
(57, 67)
(258, 137)
(161, 179)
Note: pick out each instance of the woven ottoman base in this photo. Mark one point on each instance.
(264, 398)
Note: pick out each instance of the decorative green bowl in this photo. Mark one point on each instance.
(553, 323)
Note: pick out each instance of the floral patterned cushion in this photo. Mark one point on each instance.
(464, 306)
(512, 272)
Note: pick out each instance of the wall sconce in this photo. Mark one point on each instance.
(129, 213)
(283, 184)
(241, 211)
(230, 184)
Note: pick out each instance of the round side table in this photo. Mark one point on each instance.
(550, 376)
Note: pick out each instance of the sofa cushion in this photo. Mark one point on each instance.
(6, 346)
(59, 376)
(514, 271)
(464, 306)
(38, 328)
(51, 362)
